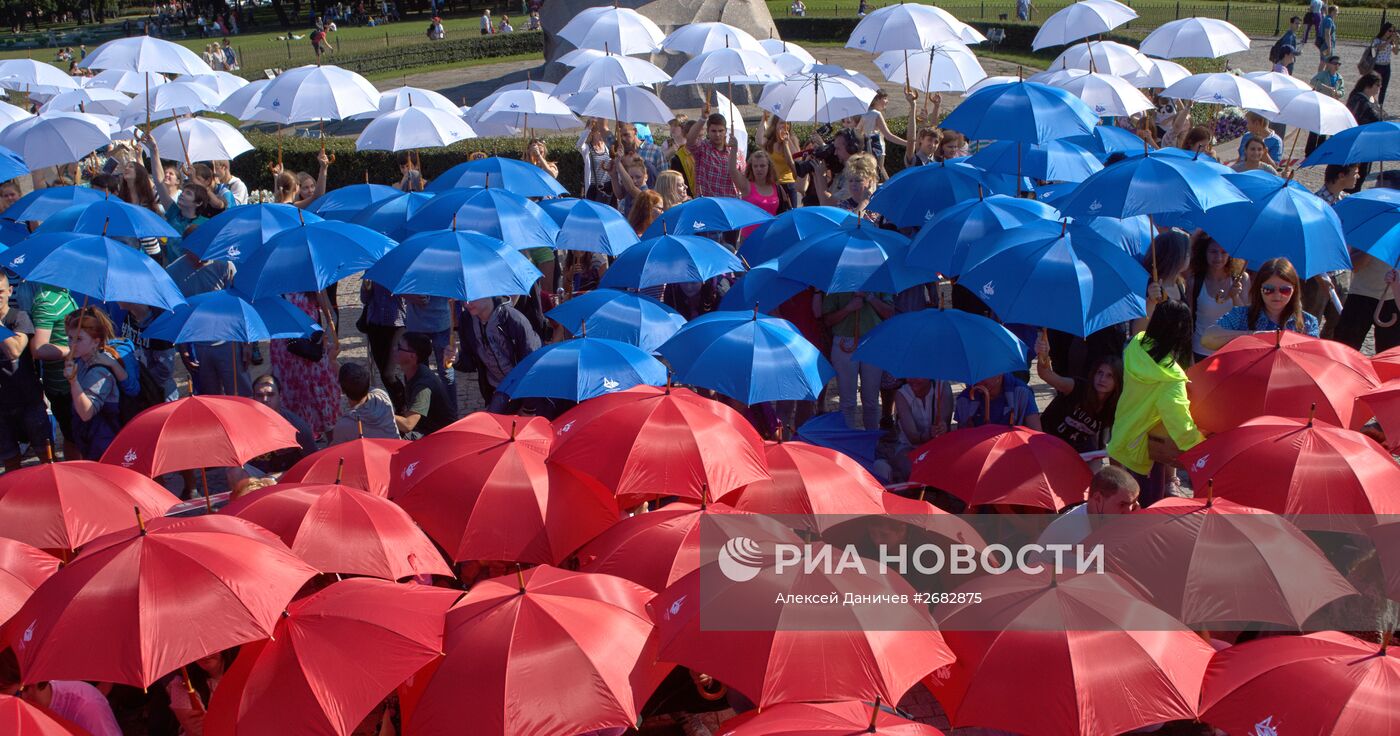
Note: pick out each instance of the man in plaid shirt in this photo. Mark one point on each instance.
(651, 153)
(712, 156)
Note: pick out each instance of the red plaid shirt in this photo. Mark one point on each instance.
(712, 169)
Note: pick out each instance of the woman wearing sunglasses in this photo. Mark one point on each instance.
(1275, 302)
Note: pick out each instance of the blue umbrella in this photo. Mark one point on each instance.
(1202, 158)
(11, 165)
(747, 357)
(236, 233)
(841, 261)
(917, 194)
(1371, 221)
(309, 258)
(590, 226)
(100, 268)
(391, 216)
(1041, 275)
(520, 177)
(1050, 161)
(896, 274)
(942, 244)
(1150, 184)
(1282, 219)
(501, 214)
(582, 368)
(1370, 142)
(830, 430)
(617, 315)
(346, 202)
(1021, 111)
(1132, 234)
(224, 315)
(670, 259)
(761, 286)
(1110, 139)
(6, 333)
(12, 232)
(42, 204)
(771, 239)
(455, 264)
(111, 217)
(707, 215)
(970, 346)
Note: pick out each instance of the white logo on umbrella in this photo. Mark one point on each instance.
(675, 608)
(18, 259)
(610, 384)
(1201, 463)
(234, 251)
(739, 559)
(129, 458)
(989, 288)
(567, 427)
(408, 471)
(29, 632)
(1265, 727)
(1095, 206)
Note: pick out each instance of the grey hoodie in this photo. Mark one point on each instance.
(375, 418)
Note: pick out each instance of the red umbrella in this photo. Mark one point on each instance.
(1387, 364)
(362, 464)
(1045, 655)
(1384, 403)
(846, 718)
(1315, 685)
(997, 464)
(22, 569)
(18, 718)
(649, 442)
(1281, 374)
(1386, 538)
(922, 521)
(543, 652)
(1172, 551)
(138, 604)
(813, 482)
(343, 530)
(653, 549)
(1289, 466)
(199, 432)
(481, 489)
(331, 659)
(66, 505)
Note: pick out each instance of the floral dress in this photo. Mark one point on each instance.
(309, 390)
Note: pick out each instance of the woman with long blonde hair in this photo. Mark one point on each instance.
(671, 186)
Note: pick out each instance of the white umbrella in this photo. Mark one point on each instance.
(790, 64)
(815, 98)
(246, 104)
(1194, 38)
(1312, 111)
(413, 127)
(609, 71)
(579, 57)
(223, 83)
(170, 100)
(473, 114)
(55, 138)
(613, 29)
(1103, 93)
(909, 27)
(121, 80)
(1219, 88)
(728, 65)
(1274, 82)
(1081, 20)
(697, 38)
(775, 47)
(28, 75)
(399, 98)
(1160, 74)
(947, 67)
(526, 108)
(145, 54)
(318, 93)
(96, 100)
(1104, 57)
(832, 70)
(634, 104)
(200, 139)
(990, 82)
(11, 114)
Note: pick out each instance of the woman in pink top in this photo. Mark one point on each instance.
(757, 183)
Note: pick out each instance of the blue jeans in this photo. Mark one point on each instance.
(221, 371)
(441, 339)
(161, 364)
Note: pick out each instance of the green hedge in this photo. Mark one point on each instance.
(406, 56)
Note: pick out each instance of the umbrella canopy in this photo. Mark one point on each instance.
(654, 549)
(633, 104)
(1372, 223)
(614, 30)
(1384, 402)
(813, 719)
(1312, 111)
(1103, 57)
(589, 631)
(1285, 375)
(763, 287)
(1290, 466)
(520, 177)
(694, 39)
(816, 98)
(811, 482)
(123, 80)
(1276, 83)
(89, 99)
(919, 193)
(309, 258)
(611, 71)
(971, 347)
(224, 83)
(1379, 141)
(943, 244)
(582, 368)
(361, 463)
(341, 204)
(1219, 88)
(1282, 218)
(66, 505)
(34, 76)
(201, 139)
(1021, 111)
(333, 657)
(94, 266)
(11, 164)
(55, 138)
(747, 357)
(245, 103)
(728, 65)
(169, 101)
(1105, 94)
(670, 259)
(947, 67)
(145, 54)
(199, 432)
(635, 319)
(527, 108)
(1049, 161)
(842, 261)
(10, 114)
(137, 604)
(650, 443)
(22, 569)
(413, 127)
(1160, 74)
(482, 490)
(237, 233)
(590, 226)
(1153, 183)
(313, 93)
(1109, 139)
(498, 213)
(1387, 364)
(221, 315)
(1324, 682)
(454, 264)
(771, 240)
(997, 464)
(390, 217)
(707, 215)
(400, 98)
(108, 217)
(1081, 20)
(41, 204)
(909, 27)
(19, 718)
(1207, 38)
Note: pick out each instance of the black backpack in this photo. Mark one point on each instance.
(148, 395)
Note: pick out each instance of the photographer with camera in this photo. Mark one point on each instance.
(820, 158)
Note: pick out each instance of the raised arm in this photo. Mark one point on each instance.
(884, 130)
(821, 182)
(912, 129)
(698, 129)
(1046, 371)
(158, 176)
(741, 182)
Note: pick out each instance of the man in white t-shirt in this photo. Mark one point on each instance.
(1112, 491)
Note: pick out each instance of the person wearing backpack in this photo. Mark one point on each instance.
(1288, 39)
(92, 372)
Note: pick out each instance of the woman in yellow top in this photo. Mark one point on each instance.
(776, 139)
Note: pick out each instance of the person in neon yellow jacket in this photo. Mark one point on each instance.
(1154, 397)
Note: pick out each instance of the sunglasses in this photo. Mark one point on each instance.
(1282, 290)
